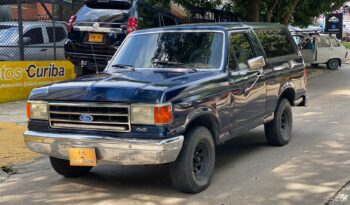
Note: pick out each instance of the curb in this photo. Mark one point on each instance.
(3, 176)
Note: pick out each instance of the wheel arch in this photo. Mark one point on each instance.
(337, 58)
(208, 120)
(289, 94)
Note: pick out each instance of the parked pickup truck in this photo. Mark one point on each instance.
(169, 96)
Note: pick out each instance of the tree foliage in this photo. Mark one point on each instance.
(296, 12)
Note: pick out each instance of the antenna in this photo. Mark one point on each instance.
(93, 54)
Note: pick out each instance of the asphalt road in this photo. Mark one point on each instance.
(310, 170)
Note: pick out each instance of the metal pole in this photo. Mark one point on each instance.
(20, 30)
(54, 32)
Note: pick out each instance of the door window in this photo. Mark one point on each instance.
(60, 34)
(35, 35)
(275, 43)
(335, 43)
(323, 42)
(240, 51)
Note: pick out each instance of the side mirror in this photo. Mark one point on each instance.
(256, 63)
(26, 40)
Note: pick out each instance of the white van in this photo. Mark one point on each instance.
(321, 49)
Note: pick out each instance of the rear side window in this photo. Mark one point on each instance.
(168, 21)
(60, 34)
(335, 43)
(323, 42)
(147, 16)
(275, 43)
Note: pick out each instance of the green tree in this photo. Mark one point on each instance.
(296, 12)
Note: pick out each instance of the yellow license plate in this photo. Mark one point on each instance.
(95, 37)
(82, 157)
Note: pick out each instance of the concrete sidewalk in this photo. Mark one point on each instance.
(13, 123)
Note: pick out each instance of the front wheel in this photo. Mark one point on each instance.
(62, 167)
(279, 131)
(193, 169)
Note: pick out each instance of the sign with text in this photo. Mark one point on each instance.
(18, 78)
(334, 24)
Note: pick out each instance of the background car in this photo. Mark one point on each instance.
(321, 49)
(39, 39)
(98, 29)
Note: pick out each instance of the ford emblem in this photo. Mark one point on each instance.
(86, 118)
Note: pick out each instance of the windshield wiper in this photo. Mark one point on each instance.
(173, 64)
(129, 67)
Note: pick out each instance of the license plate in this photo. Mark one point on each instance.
(82, 157)
(95, 37)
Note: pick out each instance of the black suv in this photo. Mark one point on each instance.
(169, 96)
(99, 27)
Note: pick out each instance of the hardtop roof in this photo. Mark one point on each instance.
(217, 26)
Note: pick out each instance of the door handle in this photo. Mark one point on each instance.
(44, 49)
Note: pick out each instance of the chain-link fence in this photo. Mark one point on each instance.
(34, 29)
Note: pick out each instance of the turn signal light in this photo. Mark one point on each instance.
(28, 109)
(163, 114)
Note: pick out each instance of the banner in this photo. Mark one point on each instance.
(18, 78)
(334, 24)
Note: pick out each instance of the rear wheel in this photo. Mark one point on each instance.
(333, 64)
(193, 169)
(279, 131)
(62, 167)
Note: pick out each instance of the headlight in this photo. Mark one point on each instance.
(37, 110)
(151, 114)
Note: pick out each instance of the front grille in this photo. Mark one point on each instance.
(90, 116)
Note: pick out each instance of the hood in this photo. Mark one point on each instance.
(142, 86)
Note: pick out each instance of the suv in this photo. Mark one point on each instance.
(99, 27)
(38, 39)
(170, 96)
(321, 49)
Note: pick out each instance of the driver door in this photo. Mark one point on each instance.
(247, 87)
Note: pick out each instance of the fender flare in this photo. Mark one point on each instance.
(205, 111)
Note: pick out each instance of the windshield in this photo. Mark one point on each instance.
(103, 13)
(7, 33)
(201, 50)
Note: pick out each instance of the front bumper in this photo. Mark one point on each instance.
(116, 150)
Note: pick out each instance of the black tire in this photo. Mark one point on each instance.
(194, 167)
(279, 131)
(62, 167)
(333, 64)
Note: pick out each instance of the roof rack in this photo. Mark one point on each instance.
(307, 32)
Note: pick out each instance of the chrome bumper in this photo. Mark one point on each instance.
(116, 150)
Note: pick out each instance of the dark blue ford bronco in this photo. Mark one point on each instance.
(170, 96)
